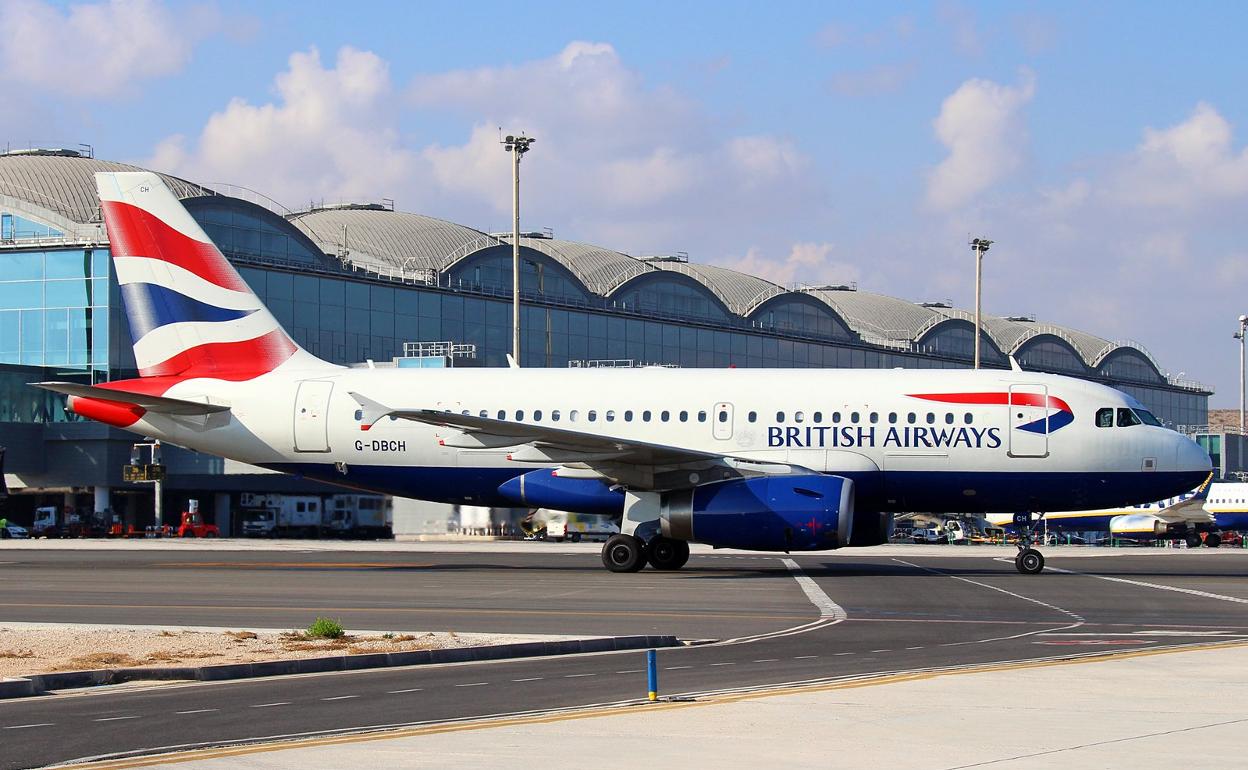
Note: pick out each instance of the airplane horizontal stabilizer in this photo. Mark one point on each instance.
(157, 404)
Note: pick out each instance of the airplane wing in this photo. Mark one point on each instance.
(158, 404)
(1190, 510)
(546, 445)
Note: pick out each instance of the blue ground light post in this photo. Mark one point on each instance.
(652, 673)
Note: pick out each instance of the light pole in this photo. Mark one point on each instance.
(979, 246)
(517, 146)
(1239, 335)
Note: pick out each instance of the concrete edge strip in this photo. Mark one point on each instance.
(365, 735)
(39, 684)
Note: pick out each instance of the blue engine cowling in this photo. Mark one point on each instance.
(543, 489)
(770, 513)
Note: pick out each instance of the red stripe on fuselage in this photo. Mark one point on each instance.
(133, 232)
(998, 399)
(232, 361)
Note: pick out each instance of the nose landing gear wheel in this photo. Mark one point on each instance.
(623, 553)
(1029, 561)
(1213, 540)
(1193, 541)
(667, 554)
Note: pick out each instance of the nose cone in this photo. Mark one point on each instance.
(1189, 457)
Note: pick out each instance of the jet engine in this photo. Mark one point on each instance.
(768, 513)
(544, 489)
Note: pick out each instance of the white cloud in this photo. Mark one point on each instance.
(883, 79)
(807, 262)
(332, 133)
(981, 125)
(1185, 165)
(93, 50)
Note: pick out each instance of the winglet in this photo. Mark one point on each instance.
(370, 411)
(511, 362)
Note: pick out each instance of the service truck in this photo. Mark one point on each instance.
(271, 515)
(362, 516)
(545, 524)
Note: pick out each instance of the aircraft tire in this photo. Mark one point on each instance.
(623, 553)
(664, 553)
(1213, 540)
(1193, 541)
(1029, 561)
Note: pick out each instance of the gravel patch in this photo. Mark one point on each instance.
(25, 651)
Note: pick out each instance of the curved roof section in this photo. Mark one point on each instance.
(740, 292)
(882, 319)
(381, 238)
(601, 270)
(60, 185)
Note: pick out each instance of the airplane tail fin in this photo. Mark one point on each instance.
(190, 313)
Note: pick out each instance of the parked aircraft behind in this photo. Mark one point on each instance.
(781, 460)
(1205, 511)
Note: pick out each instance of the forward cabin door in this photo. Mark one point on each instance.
(721, 425)
(311, 416)
(1029, 421)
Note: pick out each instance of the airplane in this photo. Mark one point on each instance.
(1205, 511)
(761, 459)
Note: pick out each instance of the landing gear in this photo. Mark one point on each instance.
(1192, 540)
(1213, 540)
(1029, 561)
(623, 553)
(667, 554)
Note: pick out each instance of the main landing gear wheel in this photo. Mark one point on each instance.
(667, 554)
(1213, 540)
(1193, 541)
(623, 553)
(1029, 561)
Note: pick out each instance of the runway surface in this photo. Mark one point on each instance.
(762, 622)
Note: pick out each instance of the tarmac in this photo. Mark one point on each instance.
(1145, 709)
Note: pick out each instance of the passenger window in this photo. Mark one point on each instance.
(610, 415)
(968, 418)
(931, 418)
(723, 415)
(628, 415)
(912, 418)
(752, 417)
(799, 416)
(665, 415)
(701, 416)
(948, 418)
(854, 418)
(591, 415)
(684, 416)
(892, 417)
(818, 417)
(1127, 418)
(836, 417)
(502, 414)
(537, 415)
(554, 415)
(875, 417)
(484, 413)
(779, 416)
(572, 415)
(519, 415)
(645, 416)
(1105, 418)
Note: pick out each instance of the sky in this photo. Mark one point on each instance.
(1102, 147)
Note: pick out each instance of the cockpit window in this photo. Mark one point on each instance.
(1126, 417)
(1147, 417)
(1105, 417)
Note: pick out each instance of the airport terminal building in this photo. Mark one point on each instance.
(353, 283)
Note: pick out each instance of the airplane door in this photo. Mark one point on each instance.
(1029, 421)
(311, 419)
(721, 426)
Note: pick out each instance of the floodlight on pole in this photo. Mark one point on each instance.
(979, 246)
(1239, 335)
(517, 146)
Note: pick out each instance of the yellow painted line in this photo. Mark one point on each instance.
(416, 610)
(591, 713)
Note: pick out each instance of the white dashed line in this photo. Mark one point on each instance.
(534, 679)
(881, 651)
(114, 719)
(804, 657)
(723, 664)
(914, 648)
(341, 697)
(1158, 586)
(410, 689)
(270, 705)
(844, 653)
(196, 711)
(473, 684)
(576, 676)
(674, 668)
(632, 671)
(23, 727)
(766, 660)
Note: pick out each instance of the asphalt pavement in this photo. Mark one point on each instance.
(754, 624)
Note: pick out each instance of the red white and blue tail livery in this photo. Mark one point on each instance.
(768, 459)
